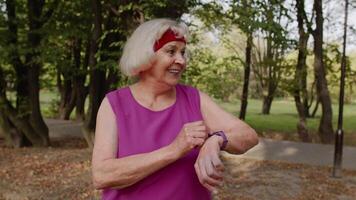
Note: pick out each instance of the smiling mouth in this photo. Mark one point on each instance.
(174, 71)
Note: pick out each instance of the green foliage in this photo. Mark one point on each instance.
(166, 8)
(284, 117)
(215, 66)
(219, 77)
(332, 61)
(245, 14)
(212, 15)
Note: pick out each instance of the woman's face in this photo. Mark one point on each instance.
(169, 63)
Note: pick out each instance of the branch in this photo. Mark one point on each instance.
(112, 8)
(49, 13)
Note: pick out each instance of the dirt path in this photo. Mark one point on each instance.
(64, 128)
(63, 172)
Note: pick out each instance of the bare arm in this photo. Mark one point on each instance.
(240, 135)
(109, 171)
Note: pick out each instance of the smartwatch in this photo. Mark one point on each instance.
(221, 134)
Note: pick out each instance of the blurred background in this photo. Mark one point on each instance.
(273, 63)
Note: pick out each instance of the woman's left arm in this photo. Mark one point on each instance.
(241, 137)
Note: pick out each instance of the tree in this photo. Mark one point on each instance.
(130, 14)
(300, 80)
(268, 59)
(325, 129)
(24, 121)
(244, 14)
(70, 36)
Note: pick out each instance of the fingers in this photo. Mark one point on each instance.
(211, 171)
(197, 134)
(192, 135)
(202, 180)
(197, 142)
(195, 126)
(196, 123)
(209, 176)
(200, 128)
(196, 130)
(216, 162)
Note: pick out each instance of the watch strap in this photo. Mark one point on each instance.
(221, 134)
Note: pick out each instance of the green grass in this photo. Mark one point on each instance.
(283, 118)
(49, 102)
(280, 123)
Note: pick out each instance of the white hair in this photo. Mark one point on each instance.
(138, 49)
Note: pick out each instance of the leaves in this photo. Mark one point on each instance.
(63, 172)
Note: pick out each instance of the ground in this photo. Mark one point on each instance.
(63, 172)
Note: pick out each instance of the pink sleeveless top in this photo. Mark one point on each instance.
(142, 130)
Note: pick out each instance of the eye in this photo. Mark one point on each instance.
(182, 52)
(171, 52)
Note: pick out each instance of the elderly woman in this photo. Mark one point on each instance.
(158, 139)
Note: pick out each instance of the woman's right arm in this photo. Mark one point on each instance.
(111, 172)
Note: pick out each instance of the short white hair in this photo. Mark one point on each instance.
(138, 49)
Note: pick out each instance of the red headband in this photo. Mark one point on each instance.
(167, 36)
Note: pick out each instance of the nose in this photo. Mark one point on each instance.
(180, 59)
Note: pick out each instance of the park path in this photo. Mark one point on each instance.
(64, 128)
(267, 149)
(298, 152)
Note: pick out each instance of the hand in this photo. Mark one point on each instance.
(208, 165)
(192, 135)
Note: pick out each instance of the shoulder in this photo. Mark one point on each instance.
(105, 108)
(116, 92)
(206, 102)
(192, 90)
(113, 97)
(189, 92)
(110, 105)
(186, 88)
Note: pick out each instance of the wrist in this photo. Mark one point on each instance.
(222, 138)
(173, 153)
(217, 139)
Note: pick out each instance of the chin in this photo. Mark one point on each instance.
(172, 82)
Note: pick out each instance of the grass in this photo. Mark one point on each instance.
(279, 124)
(282, 120)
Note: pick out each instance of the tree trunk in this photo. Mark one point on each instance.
(34, 65)
(97, 77)
(66, 94)
(244, 97)
(312, 96)
(272, 86)
(79, 80)
(12, 132)
(24, 122)
(316, 107)
(267, 103)
(300, 75)
(107, 45)
(304, 90)
(13, 136)
(325, 130)
(66, 90)
(70, 105)
(270, 62)
(12, 126)
(23, 125)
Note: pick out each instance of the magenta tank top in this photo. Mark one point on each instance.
(142, 130)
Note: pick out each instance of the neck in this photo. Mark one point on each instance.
(153, 89)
